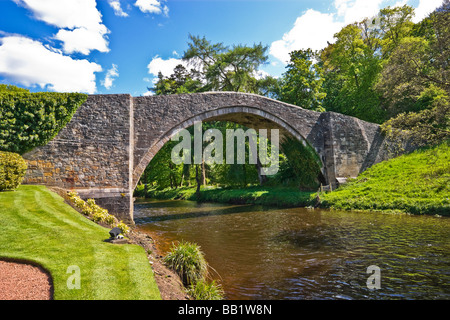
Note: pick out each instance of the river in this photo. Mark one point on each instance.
(298, 253)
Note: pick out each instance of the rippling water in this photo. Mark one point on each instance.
(266, 253)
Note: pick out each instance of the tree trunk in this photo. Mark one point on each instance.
(203, 172)
(198, 180)
(262, 178)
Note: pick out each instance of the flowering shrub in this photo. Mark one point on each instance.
(95, 212)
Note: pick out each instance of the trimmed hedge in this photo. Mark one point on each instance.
(12, 170)
(28, 120)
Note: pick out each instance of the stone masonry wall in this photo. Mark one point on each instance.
(104, 149)
(91, 154)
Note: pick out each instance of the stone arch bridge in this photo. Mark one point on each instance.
(104, 149)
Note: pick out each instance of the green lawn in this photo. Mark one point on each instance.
(38, 226)
(417, 183)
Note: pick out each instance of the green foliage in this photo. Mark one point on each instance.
(395, 24)
(29, 119)
(303, 165)
(188, 261)
(11, 88)
(417, 183)
(262, 195)
(426, 127)
(12, 170)
(302, 82)
(204, 290)
(350, 67)
(180, 81)
(227, 69)
(95, 212)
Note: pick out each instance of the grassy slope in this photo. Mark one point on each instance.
(417, 183)
(37, 225)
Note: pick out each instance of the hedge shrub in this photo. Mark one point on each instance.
(12, 170)
(28, 120)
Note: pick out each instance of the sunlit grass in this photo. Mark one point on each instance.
(38, 226)
(417, 183)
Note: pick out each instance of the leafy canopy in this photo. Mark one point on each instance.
(28, 120)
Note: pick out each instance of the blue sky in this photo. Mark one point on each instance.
(118, 46)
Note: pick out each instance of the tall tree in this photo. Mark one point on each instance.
(302, 82)
(350, 68)
(180, 81)
(224, 68)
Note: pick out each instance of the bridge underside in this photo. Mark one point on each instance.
(104, 149)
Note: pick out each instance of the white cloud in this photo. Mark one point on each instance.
(164, 66)
(424, 8)
(111, 74)
(30, 63)
(80, 21)
(260, 74)
(84, 40)
(356, 10)
(311, 30)
(115, 4)
(152, 6)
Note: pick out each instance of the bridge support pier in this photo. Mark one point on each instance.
(118, 202)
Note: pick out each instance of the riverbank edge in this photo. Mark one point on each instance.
(416, 183)
(281, 197)
(168, 281)
(312, 201)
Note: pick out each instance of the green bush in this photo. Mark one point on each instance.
(187, 260)
(28, 120)
(12, 170)
(203, 290)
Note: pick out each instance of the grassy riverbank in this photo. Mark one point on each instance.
(269, 196)
(417, 183)
(38, 226)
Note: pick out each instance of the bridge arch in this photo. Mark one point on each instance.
(104, 149)
(251, 117)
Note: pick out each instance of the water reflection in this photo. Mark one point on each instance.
(265, 253)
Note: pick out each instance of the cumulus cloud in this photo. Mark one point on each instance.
(115, 4)
(311, 30)
(314, 29)
(30, 63)
(111, 74)
(79, 20)
(356, 10)
(152, 6)
(164, 66)
(424, 8)
(84, 40)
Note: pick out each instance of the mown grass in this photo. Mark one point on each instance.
(416, 183)
(38, 226)
(270, 196)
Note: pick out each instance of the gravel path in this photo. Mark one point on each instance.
(20, 281)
